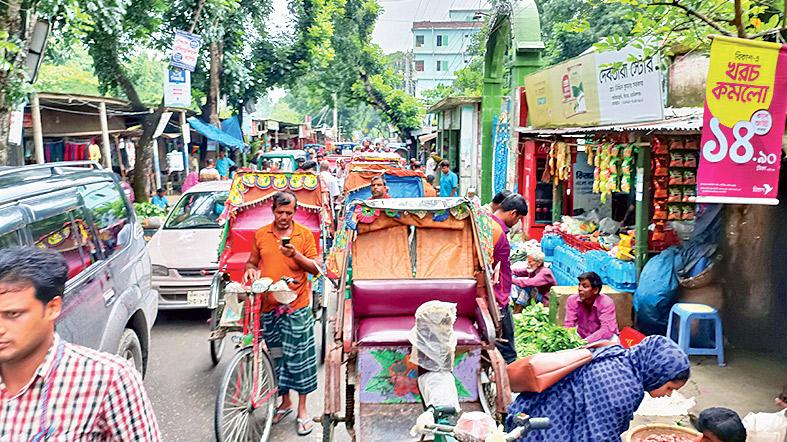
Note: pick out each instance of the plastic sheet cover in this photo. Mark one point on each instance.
(433, 337)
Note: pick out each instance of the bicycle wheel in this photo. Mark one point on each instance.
(216, 345)
(236, 418)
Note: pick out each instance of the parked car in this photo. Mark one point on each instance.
(80, 210)
(184, 249)
(281, 160)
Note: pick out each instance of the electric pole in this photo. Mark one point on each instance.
(335, 116)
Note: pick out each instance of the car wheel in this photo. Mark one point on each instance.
(130, 349)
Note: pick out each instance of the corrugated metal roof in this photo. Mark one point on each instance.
(686, 119)
(447, 25)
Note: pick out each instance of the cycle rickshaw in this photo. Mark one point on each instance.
(391, 256)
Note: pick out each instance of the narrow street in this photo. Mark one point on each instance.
(180, 372)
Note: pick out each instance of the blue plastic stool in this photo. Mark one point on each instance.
(686, 313)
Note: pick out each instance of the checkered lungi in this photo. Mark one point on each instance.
(293, 334)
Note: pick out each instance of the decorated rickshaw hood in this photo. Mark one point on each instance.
(252, 188)
(414, 204)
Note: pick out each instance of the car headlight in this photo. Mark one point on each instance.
(160, 270)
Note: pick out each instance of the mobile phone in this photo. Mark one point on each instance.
(285, 240)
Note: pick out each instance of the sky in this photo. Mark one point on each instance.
(392, 32)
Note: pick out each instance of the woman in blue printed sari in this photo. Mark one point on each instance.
(596, 402)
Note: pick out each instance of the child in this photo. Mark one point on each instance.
(720, 425)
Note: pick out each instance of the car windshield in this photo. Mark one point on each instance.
(197, 210)
(284, 164)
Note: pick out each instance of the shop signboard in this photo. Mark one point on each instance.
(745, 110)
(177, 88)
(596, 89)
(185, 50)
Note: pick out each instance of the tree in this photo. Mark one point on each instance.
(359, 72)
(252, 61)
(561, 19)
(17, 19)
(679, 26)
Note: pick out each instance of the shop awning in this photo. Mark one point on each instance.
(426, 138)
(215, 134)
(676, 120)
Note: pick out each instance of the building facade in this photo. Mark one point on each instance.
(440, 49)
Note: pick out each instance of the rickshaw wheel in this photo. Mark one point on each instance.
(235, 419)
(328, 426)
(487, 390)
(216, 345)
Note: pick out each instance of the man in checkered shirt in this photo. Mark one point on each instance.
(50, 389)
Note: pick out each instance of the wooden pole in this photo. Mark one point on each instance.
(38, 134)
(102, 112)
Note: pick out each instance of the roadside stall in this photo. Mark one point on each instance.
(608, 176)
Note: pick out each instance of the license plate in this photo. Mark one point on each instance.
(199, 297)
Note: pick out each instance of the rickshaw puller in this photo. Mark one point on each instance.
(291, 327)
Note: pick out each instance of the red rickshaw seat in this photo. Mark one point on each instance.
(395, 330)
(384, 310)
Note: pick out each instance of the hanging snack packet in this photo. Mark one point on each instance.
(689, 195)
(690, 159)
(675, 159)
(689, 177)
(688, 212)
(675, 195)
(675, 213)
(675, 177)
(676, 145)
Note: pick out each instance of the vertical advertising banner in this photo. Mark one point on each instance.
(185, 50)
(745, 110)
(177, 88)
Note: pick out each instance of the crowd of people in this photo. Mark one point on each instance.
(596, 402)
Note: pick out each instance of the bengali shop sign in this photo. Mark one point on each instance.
(745, 110)
(596, 88)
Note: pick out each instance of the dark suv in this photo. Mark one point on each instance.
(80, 210)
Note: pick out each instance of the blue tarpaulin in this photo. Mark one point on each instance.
(215, 134)
(231, 126)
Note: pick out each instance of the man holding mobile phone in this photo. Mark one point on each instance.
(285, 248)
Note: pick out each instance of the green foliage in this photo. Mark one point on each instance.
(676, 27)
(432, 96)
(534, 333)
(570, 27)
(148, 210)
(358, 73)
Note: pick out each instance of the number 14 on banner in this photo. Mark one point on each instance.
(741, 150)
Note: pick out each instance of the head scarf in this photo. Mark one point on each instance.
(657, 361)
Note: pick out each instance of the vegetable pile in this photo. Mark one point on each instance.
(148, 210)
(534, 333)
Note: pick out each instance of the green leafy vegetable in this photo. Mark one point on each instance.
(534, 333)
(148, 210)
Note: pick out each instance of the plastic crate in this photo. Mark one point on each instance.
(579, 243)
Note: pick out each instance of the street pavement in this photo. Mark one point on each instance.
(182, 382)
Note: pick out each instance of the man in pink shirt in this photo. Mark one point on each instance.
(590, 311)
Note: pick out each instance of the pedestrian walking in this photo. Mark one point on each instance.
(223, 164)
(209, 172)
(51, 389)
(286, 248)
(449, 182)
(511, 210)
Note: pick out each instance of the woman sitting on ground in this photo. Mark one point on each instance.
(597, 401)
(592, 312)
(537, 277)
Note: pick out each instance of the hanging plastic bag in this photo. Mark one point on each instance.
(438, 388)
(433, 337)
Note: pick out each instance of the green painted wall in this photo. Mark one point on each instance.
(515, 36)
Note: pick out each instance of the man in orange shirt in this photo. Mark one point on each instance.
(289, 327)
